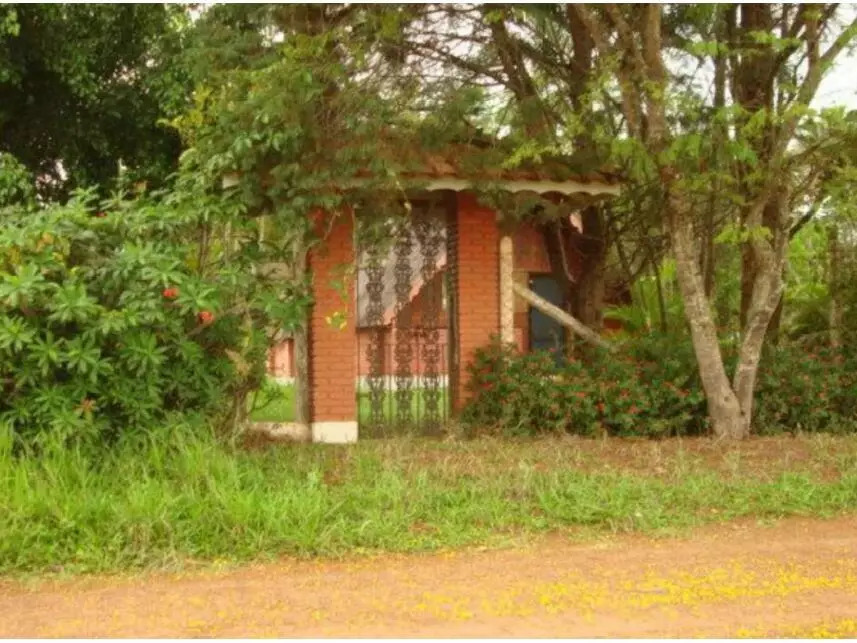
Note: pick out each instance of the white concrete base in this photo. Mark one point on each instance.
(281, 431)
(334, 432)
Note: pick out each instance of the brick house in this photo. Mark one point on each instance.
(415, 312)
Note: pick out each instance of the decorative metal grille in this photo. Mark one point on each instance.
(403, 311)
(374, 319)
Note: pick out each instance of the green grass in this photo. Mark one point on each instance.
(179, 496)
(276, 403)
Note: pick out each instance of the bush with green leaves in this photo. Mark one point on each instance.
(652, 388)
(112, 319)
(16, 183)
(807, 390)
(634, 394)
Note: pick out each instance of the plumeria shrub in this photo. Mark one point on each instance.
(113, 318)
(651, 388)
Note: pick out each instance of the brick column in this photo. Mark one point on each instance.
(333, 350)
(478, 280)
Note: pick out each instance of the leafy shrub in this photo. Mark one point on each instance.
(807, 390)
(108, 324)
(16, 183)
(652, 389)
(634, 394)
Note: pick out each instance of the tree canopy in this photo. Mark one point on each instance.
(83, 87)
(708, 111)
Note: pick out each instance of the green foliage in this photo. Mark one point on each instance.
(82, 88)
(108, 323)
(639, 394)
(806, 300)
(176, 497)
(807, 390)
(273, 402)
(17, 186)
(653, 390)
(644, 313)
(295, 118)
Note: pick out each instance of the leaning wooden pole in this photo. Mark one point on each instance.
(554, 312)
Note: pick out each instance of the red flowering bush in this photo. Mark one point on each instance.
(623, 395)
(652, 388)
(806, 390)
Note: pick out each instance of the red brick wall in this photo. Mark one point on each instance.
(478, 279)
(530, 252)
(333, 351)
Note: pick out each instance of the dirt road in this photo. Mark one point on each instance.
(796, 578)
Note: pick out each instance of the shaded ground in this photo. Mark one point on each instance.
(795, 578)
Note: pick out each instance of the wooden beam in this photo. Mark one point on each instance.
(554, 312)
(507, 296)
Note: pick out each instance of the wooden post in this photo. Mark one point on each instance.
(507, 296)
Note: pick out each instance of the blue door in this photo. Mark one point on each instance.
(546, 333)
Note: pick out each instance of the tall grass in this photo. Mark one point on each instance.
(178, 496)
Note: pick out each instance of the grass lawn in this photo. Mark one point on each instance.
(179, 497)
(276, 403)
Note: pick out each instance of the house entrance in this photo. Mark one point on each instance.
(404, 312)
(547, 334)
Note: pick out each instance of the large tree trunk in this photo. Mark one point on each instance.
(723, 408)
(719, 135)
(753, 89)
(834, 261)
(588, 300)
(776, 323)
(769, 264)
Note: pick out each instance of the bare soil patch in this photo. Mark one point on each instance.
(796, 577)
(824, 456)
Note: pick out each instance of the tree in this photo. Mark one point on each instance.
(535, 61)
(765, 128)
(82, 88)
(701, 105)
(295, 103)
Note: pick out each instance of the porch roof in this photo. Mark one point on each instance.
(463, 166)
(485, 162)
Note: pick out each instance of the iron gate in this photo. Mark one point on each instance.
(404, 332)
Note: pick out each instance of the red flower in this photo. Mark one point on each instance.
(601, 407)
(206, 317)
(100, 214)
(581, 394)
(170, 293)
